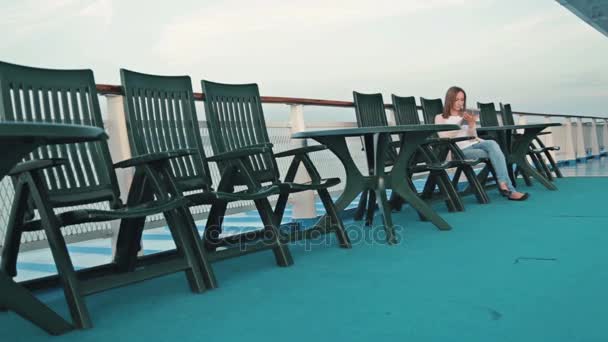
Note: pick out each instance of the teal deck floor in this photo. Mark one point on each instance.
(508, 271)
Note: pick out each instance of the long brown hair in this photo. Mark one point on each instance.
(450, 98)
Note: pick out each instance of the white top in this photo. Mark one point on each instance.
(464, 131)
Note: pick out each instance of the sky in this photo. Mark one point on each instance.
(534, 54)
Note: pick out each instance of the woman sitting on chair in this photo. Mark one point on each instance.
(476, 148)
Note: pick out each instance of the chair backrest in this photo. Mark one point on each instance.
(236, 120)
(369, 109)
(161, 116)
(370, 113)
(405, 109)
(507, 114)
(69, 97)
(430, 109)
(487, 114)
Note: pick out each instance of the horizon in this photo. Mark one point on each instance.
(535, 55)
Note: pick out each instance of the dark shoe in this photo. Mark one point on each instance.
(522, 198)
(504, 193)
(507, 194)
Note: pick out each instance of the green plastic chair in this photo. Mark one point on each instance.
(18, 139)
(488, 117)
(370, 112)
(538, 150)
(406, 113)
(161, 118)
(75, 174)
(237, 129)
(430, 109)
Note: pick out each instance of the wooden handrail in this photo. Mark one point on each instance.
(109, 89)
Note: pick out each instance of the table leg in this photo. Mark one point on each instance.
(355, 182)
(412, 141)
(380, 142)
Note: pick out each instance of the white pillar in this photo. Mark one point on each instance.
(547, 139)
(581, 152)
(118, 142)
(595, 143)
(303, 202)
(605, 137)
(521, 120)
(390, 117)
(568, 146)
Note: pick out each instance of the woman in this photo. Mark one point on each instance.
(476, 148)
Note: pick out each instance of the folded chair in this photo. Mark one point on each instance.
(406, 113)
(370, 112)
(538, 151)
(430, 109)
(56, 178)
(237, 129)
(161, 118)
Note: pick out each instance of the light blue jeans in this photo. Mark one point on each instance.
(490, 149)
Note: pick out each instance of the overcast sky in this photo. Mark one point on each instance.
(534, 54)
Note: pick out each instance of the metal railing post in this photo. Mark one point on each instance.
(595, 142)
(303, 202)
(548, 139)
(521, 120)
(605, 137)
(581, 150)
(390, 117)
(569, 142)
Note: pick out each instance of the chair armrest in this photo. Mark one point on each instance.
(154, 157)
(245, 152)
(38, 164)
(300, 150)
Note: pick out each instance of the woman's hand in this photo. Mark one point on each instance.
(470, 118)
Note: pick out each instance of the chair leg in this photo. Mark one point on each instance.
(385, 209)
(525, 176)
(484, 173)
(130, 231)
(456, 178)
(537, 163)
(280, 250)
(453, 201)
(213, 226)
(279, 209)
(330, 209)
(183, 243)
(475, 186)
(412, 186)
(554, 167)
(21, 301)
(360, 211)
(198, 249)
(395, 201)
(371, 209)
(65, 268)
(429, 188)
(69, 279)
(12, 238)
(546, 169)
